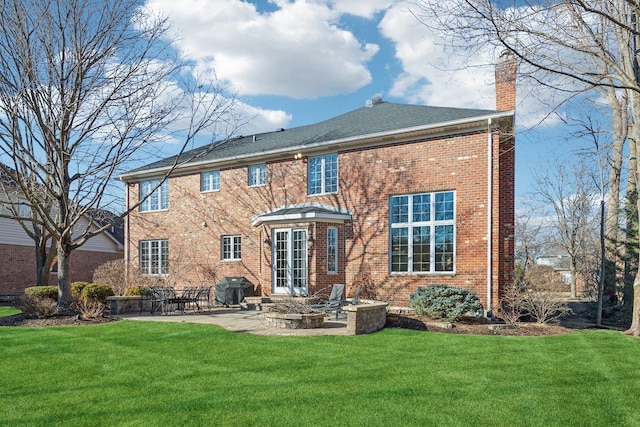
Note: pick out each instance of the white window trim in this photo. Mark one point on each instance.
(333, 269)
(257, 167)
(149, 272)
(323, 188)
(210, 176)
(157, 193)
(432, 224)
(232, 242)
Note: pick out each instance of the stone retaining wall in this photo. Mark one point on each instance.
(366, 318)
(126, 304)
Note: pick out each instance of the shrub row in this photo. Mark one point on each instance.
(79, 291)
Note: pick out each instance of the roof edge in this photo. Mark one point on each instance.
(324, 144)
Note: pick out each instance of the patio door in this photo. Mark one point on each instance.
(290, 267)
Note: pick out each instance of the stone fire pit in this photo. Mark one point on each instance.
(294, 321)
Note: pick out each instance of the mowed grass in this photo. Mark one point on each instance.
(154, 373)
(8, 311)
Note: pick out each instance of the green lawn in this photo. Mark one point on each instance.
(152, 373)
(8, 311)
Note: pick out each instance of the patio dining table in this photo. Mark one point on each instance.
(164, 298)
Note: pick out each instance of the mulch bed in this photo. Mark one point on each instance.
(59, 320)
(481, 326)
(394, 320)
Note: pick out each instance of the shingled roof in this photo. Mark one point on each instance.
(380, 117)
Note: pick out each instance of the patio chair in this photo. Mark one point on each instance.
(147, 294)
(202, 296)
(356, 297)
(335, 301)
(164, 297)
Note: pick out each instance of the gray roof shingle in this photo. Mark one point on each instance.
(378, 118)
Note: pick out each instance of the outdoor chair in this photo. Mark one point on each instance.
(147, 294)
(335, 301)
(356, 297)
(163, 297)
(202, 296)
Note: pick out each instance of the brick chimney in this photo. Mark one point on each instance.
(506, 69)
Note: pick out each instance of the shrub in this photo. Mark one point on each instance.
(365, 280)
(111, 273)
(513, 301)
(35, 305)
(444, 302)
(50, 292)
(76, 289)
(132, 292)
(96, 291)
(90, 309)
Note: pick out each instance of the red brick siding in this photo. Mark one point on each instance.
(367, 178)
(18, 267)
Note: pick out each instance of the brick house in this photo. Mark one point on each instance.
(17, 249)
(414, 195)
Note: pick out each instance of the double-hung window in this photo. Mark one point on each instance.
(210, 181)
(322, 174)
(257, 175)
(332, 250)
(231, 248)
(154, 257)
(422, 233)
(158, 200)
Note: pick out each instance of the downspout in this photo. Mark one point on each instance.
(126, 234)
(489, 215)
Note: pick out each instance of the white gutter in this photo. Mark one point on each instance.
(323, 144)
(489, 214)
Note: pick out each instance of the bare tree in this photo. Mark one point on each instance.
(568, 191)
(86, 89)
(529, 237)
(567, 47)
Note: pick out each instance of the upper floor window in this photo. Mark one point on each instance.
(323, 174)
(210, 181)
(257, 175)
(231, 248)
(154, 257)
(158, 199)
(332, 250)
(422, 233)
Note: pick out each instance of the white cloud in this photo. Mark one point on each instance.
(365, 9)
(296, 51)
(261, 120)
(435, 75)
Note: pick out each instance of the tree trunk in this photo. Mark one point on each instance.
(635, 133)
(620, 117)
(631, 248)
(635, 322)
(64, 284)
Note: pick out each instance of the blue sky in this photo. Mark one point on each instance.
(297, 62)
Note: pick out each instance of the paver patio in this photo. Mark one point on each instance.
(247, 321)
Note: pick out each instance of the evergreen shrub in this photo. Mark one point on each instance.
(76, 289)
(96, 291)
(42, 292)
(444, 302)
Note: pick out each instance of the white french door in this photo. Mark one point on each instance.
(290, 267)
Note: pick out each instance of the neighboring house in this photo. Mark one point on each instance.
(557, 258)
(17, 254)
(414, 195)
